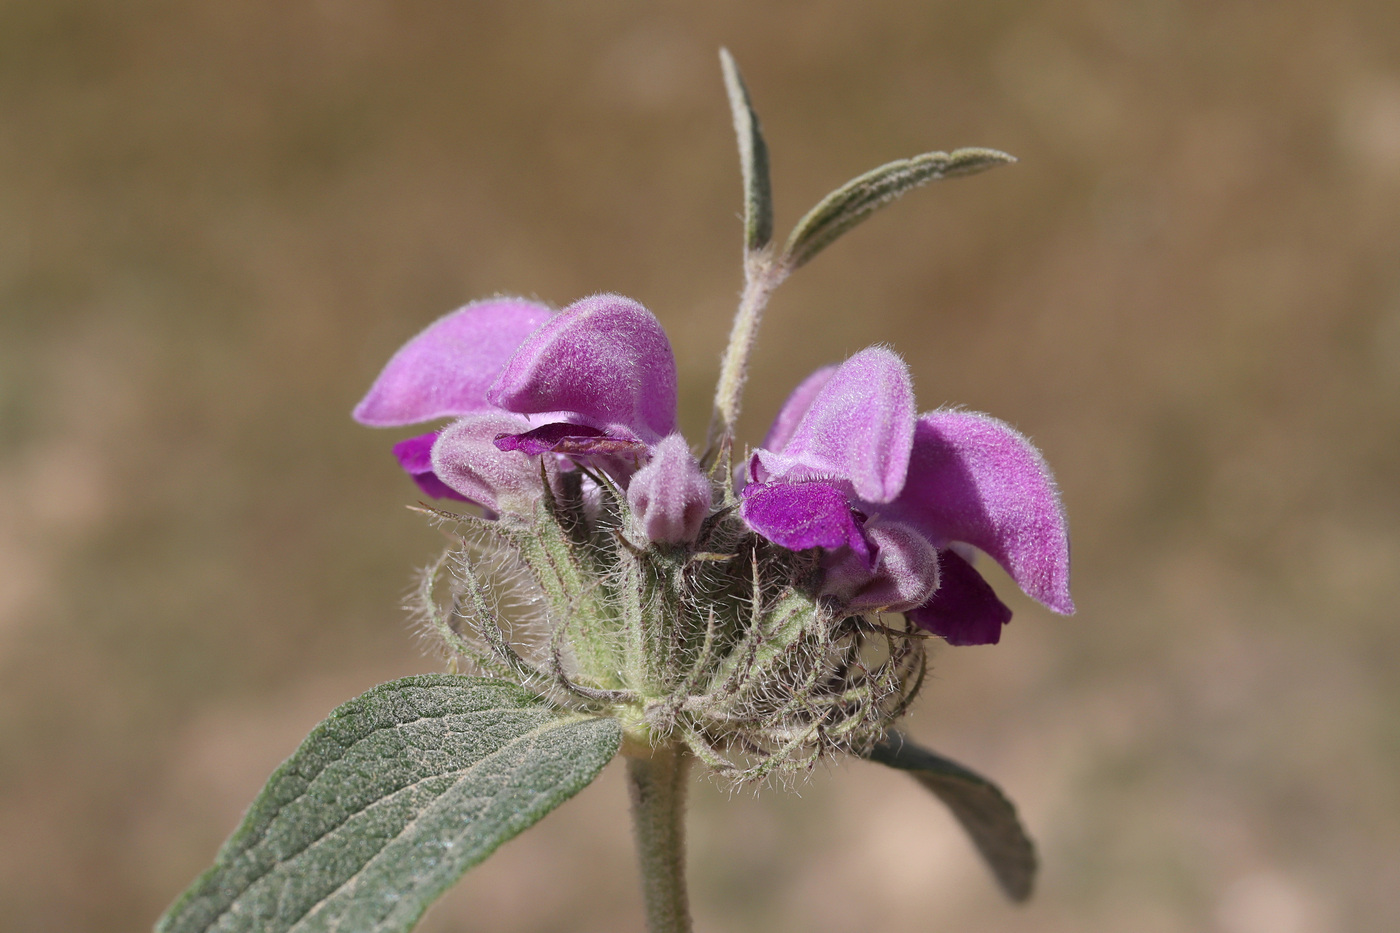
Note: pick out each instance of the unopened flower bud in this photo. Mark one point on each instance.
(670, 496)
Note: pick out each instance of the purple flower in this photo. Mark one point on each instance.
(593, 384)
(892, 498)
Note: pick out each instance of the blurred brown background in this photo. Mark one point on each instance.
(217, 220)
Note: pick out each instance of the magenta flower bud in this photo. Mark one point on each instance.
(670, 496)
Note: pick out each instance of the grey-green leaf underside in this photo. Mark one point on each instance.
(860, 197)
(388, 802)
(980, 806)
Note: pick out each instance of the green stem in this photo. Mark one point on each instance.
(762, 274)
(657, 785)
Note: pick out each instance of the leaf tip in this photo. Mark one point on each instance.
(974, 159)
(985, 812)
(753, 157)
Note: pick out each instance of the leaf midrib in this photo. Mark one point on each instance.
(553, 723)
(345, 750)
(341, 757)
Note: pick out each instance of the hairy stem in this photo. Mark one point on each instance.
(762, 274)
(657, 784)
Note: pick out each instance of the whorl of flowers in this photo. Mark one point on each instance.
(764, 615)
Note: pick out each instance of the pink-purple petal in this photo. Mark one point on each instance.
(446, 369)
(799, 516)
(859, 427)
(973, 478)
(413, 455)
(670, 496)
(794, 408)
(604, 358)
(904, 573)
(465, 457)
(964, 609)
(430, 484)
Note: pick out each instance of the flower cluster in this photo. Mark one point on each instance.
(594, 386)
(891, 498)
(729, 607)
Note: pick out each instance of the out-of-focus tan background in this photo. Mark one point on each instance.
(217, 220)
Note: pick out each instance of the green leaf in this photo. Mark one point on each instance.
(980, 806)
(860, 197)
(388, 802)
(753, 158)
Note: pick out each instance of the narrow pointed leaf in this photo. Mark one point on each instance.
(860, 197)
(388, 802)
(980, 806)
(753, 158)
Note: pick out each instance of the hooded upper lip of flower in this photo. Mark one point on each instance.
(597, 379)
(850, 468)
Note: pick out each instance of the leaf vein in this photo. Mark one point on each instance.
(522, 743)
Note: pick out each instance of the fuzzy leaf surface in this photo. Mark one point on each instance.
(753, 158)
(388, 802)
(860, 197)
(979, 805)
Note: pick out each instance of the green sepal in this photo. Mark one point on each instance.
(860, 197)
(753, 158)
(979, 805)
(388, 802)
(567, 572)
